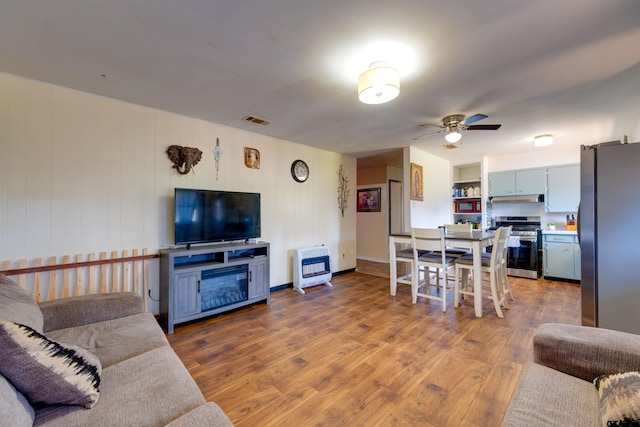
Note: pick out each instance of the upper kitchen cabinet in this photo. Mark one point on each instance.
(563, 188)
(502, 183)
(531, 181)
(517, 183)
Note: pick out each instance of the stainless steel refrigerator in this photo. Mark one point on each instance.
(608, 231)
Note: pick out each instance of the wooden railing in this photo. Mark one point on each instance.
(84, 275)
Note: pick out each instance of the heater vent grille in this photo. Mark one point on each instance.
(256, 120)
(311, 266)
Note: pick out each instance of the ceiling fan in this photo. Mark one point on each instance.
(453, 124)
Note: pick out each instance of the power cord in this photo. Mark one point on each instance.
(152, 298)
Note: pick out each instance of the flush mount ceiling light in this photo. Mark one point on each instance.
(543, 140)
(379, 84)
(453, 136)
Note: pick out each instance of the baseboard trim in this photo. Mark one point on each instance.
(290, 285)
(364, 258)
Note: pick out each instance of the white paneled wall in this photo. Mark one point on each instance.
(81, 173)
(435, 209)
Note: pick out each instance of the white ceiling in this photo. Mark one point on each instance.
(566, 67)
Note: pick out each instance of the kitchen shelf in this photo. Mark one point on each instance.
(468, 181)
(463, 176)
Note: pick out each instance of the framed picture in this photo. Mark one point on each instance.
(416, 182)
(369, 200)
(251, 158)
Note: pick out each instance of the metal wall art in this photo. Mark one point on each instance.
(343, 191)
(217, 153)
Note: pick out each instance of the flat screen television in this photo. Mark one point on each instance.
(206, 216)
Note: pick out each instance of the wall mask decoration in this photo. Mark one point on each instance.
(184, 158)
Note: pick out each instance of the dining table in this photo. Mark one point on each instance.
(475, 240)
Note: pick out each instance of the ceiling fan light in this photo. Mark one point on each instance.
(543, 140)
(379, 84)
(453, 137)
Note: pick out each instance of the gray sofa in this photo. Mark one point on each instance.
(558, 388)
(143, 382)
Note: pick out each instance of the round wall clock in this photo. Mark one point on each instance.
(299, 171)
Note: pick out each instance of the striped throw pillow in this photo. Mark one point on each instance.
(45, 371)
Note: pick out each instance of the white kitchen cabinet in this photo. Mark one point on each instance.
(561, 256)
(531, 181)
(502, 183)
(563, 189)
(518, 182)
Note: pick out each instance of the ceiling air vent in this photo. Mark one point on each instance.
(256, 120)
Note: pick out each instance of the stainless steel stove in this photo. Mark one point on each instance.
(525, 245)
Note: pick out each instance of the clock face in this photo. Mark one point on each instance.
(299, 171)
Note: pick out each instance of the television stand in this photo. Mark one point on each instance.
(197, 282)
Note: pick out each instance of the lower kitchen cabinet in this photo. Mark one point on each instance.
(561, 256)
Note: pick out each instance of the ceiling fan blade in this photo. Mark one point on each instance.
(432, 125)
(428, 134)
(484, 127)
(474, 118)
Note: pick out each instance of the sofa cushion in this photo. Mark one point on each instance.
(16, 305)
(115, 340)
(619, 398)
(586, 352)
(210, 415)
(85, 309)
(45, 371)
(151, 389)
(15, 409)
(545, 397)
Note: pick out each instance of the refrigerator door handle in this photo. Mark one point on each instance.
(578, 223)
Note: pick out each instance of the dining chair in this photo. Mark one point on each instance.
(459, 227)
(429, 254)
(404, 256)
(492, 264)
(503, 262)
(456, 252)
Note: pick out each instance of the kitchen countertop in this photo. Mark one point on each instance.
(560, 231)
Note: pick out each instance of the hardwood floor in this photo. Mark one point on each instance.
(354, 355)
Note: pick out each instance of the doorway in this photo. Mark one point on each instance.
(396, 207)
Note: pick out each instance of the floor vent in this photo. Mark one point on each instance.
(256, 120)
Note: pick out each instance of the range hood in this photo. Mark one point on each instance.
(525, 198)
